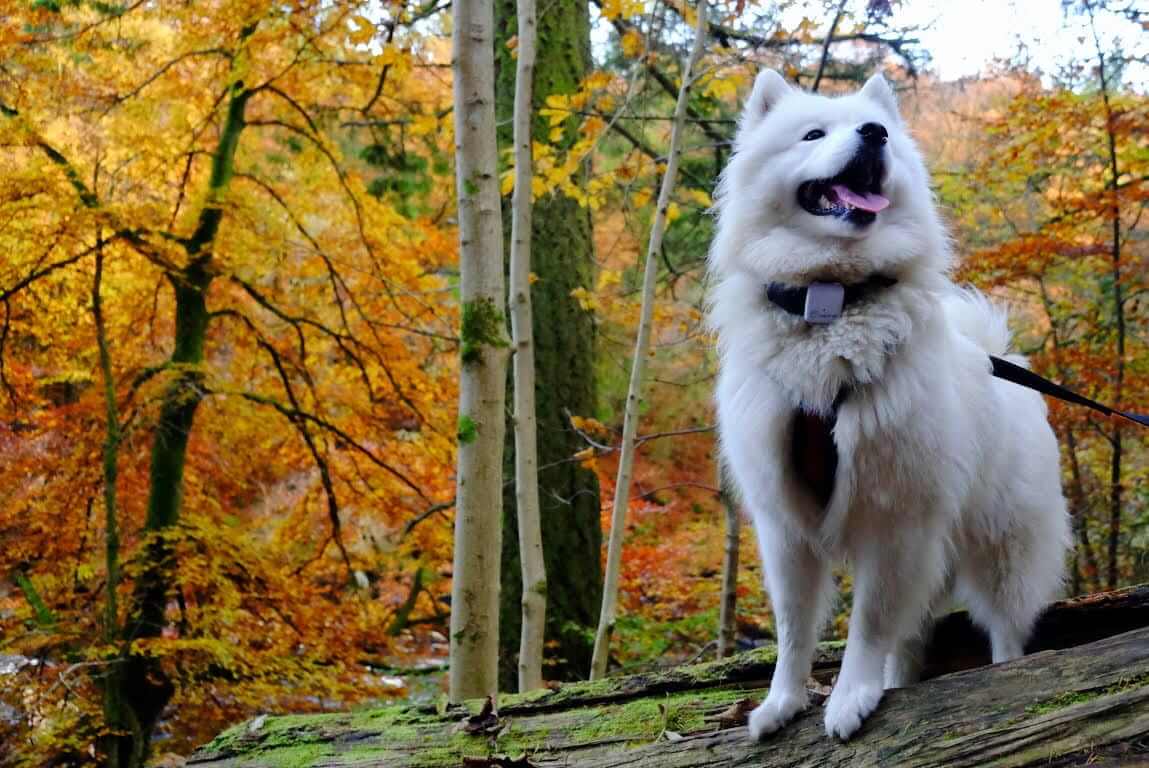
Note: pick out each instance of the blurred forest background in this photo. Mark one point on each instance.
(229, 345)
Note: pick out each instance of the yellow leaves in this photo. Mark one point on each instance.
(362, 30)
(631, 43)
(608, 278)
(615, 9)
(137, 112)
(532, 278)
(641, 198)
(586, 299)
(424, 125)
(597, 81)
(698, 197)
(721, 87)
(672, 212)
(557, 109)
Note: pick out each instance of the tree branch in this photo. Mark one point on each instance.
(826, 47)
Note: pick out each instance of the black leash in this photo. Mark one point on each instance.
(813, 303)
(1003, 369)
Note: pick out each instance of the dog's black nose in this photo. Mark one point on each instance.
(874, 134)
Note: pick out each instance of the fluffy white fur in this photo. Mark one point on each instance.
(948, 485)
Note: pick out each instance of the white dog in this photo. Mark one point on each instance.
(856, 408)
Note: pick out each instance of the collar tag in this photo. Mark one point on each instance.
(824, 303)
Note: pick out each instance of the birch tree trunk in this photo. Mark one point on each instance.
(534, 602)
(727, 622)
(634, 392)
(478, 518)
(563, 344)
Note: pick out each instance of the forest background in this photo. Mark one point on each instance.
(229, 331)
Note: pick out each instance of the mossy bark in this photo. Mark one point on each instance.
(143, 685)
(475, 566)
(1083, 705)
(562, 249)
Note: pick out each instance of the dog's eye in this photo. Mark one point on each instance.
(814, 135)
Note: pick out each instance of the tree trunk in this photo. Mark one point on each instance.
(112, 703)
(634, 392)
(478, 522)
(1080, 514)
(534, 577)
(1084, 699)
(1115, 470)
(144, 686)
(728, 613)
(1079, 503)
(562, 258)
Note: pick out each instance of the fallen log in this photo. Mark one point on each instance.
(1083, 698)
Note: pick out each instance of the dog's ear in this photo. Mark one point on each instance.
(769, 88)
(878, 89)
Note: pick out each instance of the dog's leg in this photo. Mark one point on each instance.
(1006, 607)
(1006, 586)
(904, 663)
(799, 584)
(893, 586)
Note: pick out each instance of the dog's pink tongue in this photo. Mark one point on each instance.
(867, 202)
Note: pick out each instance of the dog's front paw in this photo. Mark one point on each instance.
(848, 707)
(779, 708)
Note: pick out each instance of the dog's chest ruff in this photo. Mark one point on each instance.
(813, 453)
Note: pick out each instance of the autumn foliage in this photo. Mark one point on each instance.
(258, 198)
(197, 149)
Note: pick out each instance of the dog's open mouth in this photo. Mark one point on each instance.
(855, 194)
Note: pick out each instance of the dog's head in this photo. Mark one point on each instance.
(823, 188)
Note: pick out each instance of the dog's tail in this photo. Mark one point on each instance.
(980, 320)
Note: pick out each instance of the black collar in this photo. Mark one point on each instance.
(792, 298)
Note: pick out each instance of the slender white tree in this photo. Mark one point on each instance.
(534, 573)
(482, 386)
(638, 364)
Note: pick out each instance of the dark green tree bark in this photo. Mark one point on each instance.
(143, 685)
(562, 256)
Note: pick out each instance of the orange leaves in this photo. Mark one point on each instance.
(329, 346)
(591, 426)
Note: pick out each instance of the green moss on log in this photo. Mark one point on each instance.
(1069, 698)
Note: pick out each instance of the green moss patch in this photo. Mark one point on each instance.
(483, 325)
(1070, 698)
(643, 720)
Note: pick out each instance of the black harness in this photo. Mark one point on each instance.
(813, 452)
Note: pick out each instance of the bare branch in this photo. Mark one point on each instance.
(826, 47)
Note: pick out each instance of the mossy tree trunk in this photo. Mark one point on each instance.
(143, 685)
(562, 258)
(1083, 701)
(482, 380)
